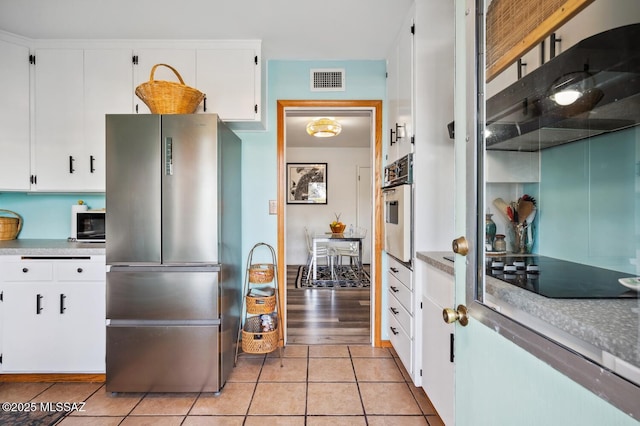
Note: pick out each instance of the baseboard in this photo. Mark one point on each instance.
(49, 378)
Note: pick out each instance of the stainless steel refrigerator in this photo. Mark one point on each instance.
(173, 245)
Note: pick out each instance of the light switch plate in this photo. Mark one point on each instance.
(273, 208)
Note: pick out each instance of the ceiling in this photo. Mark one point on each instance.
(356, 129)
(309, 30)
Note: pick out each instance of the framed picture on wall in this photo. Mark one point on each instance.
(306, 183)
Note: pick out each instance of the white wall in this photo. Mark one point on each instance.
(342, 182)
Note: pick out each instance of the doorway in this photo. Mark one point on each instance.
(374, 108)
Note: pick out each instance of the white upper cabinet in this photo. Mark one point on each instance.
(74, 89)
(182, 60)
(58, 139)
(399, 94)
(230, 80)
(108, 78)
(14, 117)
(52, 113)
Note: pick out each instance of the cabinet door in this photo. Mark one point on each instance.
(228, 78)
(405, 90)
(29, 329)
(108, 82)
(80, 342)
(437, 365)
(183, 60)
(400, 90)
(392, 95)
(14, 117)
(59, 113)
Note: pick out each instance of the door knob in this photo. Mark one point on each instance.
(460, 246)
(461, 315)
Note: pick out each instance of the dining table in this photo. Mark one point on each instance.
(329, 237)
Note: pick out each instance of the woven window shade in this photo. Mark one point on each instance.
(516, 26)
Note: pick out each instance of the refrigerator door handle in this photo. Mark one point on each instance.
(168, 156)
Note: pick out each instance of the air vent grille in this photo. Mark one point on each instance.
(327, 80)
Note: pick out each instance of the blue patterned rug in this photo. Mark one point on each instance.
(345, 277)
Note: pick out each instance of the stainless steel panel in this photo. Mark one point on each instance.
(190, 188)
(166, 293)
(133, 191)
(163, 359)
(230, 254)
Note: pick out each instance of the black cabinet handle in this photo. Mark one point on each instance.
(393, 330)
(38, 304)
(205, 104)
(79, 270)
(394, 289)
(62, 307)
(394, 310)
(92, 159)
(394, 270)
(25, 270)
(391, 136)
(71, 160)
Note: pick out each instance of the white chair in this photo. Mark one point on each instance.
(322, 251)
(352, 250)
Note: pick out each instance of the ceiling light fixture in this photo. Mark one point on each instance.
(324, 127)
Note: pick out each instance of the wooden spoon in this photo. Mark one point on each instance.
(524, 210)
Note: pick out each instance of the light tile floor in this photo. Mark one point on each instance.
(318, 385)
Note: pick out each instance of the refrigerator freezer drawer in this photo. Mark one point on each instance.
(173, 294)
(163, 358)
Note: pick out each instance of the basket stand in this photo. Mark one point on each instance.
(261, 329)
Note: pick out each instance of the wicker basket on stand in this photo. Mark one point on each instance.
(168, 97)
(10, 226)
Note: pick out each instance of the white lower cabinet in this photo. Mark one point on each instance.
(437, 340)
(401, 313)
(53, 314)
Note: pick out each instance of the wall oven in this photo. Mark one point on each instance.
(397, 192)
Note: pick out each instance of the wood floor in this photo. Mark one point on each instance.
(326, 316)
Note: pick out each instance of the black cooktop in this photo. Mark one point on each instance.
(558, 279)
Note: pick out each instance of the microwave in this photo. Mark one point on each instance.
(90, 226)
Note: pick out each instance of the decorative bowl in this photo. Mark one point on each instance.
(338, 228)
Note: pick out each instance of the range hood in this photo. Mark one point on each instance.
(606, 66)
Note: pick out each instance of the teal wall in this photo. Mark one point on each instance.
(589, 201)
(46, 216)
(289, 80)
(504, 385)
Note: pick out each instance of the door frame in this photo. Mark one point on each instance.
(376, 107)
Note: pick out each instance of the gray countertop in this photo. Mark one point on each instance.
(39, 247)
(608, 325)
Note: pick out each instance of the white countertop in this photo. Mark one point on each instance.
(608, 329)
(40, 247)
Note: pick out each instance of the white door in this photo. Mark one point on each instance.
(14, 117)
(59, 109)
(228, 78)
(363, 208)
(108, 79)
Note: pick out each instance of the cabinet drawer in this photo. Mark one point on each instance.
(397, 311)
(401, 272)
(81, 271)
(402, 293)
(28, 271)
(402, 343)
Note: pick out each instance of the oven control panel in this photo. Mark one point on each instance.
(399, 172)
